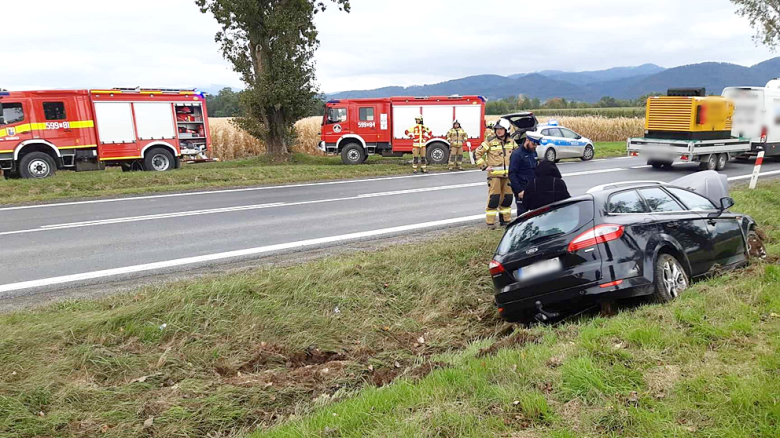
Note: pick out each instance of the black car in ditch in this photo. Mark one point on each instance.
(618, 241)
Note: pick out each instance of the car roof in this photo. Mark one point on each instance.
(614, 186)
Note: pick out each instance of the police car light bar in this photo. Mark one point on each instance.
(553, 123)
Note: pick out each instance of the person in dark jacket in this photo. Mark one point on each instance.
(522, 167)
(547, 187)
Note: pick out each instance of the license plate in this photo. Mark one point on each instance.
(539, 269)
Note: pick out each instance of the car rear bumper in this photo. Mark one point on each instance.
(513, 304)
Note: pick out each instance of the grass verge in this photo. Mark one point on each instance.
(239, 173)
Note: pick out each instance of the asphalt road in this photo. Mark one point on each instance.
(68, 245)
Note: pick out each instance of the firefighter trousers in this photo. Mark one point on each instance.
(419, 154)
(500, 198)
(456, 157)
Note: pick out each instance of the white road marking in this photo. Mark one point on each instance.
(230, 254)
(641, 167)
(232, 209)
(622, 158)
(246, 189)
(736, 178)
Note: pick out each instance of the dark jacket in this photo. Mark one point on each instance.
(521, 168)
(547, 187)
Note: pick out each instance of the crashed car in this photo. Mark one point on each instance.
(620, 240)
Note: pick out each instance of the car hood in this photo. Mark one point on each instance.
(710, 184)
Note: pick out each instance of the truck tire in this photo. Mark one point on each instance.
(438, 153)
(158, 160)
(37, 165)
(722, 160)
(353, 153)
(710, 164)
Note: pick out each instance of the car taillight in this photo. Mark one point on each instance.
(594, 236)
(764, 133)
(701, 115)
(496, 268)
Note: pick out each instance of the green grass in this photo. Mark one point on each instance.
(610, 149)
(240, 173)
(268, 351)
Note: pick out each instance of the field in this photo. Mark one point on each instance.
(231, 143)
(638, 112)
(373, 344)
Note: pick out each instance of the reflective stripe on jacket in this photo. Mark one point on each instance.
(457, 137)
(496, 154)
(420, 135)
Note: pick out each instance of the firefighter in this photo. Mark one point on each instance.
(420, 135)
(493, 156)
(489, 130)
(457, 138)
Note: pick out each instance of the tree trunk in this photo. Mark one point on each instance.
(277, 134)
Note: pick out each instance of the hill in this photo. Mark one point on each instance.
(590, 86)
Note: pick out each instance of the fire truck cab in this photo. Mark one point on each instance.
(355, 128)
(137, 129)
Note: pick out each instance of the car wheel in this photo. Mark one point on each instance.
(37, 165)
(756, 247)
(158, 160)
(588, 153)
(670, 278)
(353, 153)
(722, 160)
(438, 153)
(710, 164)
(549, 154)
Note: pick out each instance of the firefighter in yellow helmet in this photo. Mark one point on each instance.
(493, 156)
(420, 135)
(457, 138)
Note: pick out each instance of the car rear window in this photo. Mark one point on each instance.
(626, 202)
(660, 201)
(562, 220)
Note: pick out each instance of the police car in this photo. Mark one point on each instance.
(559, 142)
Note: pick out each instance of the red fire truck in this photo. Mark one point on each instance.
(137, 129)
(355, 128)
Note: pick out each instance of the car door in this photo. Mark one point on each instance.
(556, 138)
(573, 148)
(678, 224)
(725, 230)
(366, 125)
(58, 113)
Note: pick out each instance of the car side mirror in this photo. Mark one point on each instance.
(726, 203)
(578, 137)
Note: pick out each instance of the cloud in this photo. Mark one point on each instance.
(169, 43)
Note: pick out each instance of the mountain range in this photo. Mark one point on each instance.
(590, 86)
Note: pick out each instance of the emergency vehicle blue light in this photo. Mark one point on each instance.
(5, 93)
(553, 123)
(334, 101)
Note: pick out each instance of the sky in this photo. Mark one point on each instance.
(169, 43)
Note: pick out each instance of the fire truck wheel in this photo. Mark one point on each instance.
(158, 160)
(353, 153)
(438, 153)
(37, 165)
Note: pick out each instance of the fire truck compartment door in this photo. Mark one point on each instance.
(115, 122)
(470, 118)
(403, 119)
(438, 118)
(154, 121)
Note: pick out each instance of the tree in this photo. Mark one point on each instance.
(764, 16)
(224, 104)
(271, 44)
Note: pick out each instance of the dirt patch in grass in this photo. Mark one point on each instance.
(518, 339)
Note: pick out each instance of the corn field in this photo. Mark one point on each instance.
(230, 143)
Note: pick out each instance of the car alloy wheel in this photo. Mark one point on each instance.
(549, 155)
(587, 154)
(674, 279)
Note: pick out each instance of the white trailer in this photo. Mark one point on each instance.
(757, 116)
(710, 154)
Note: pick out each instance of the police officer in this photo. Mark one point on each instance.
(522, 167)
(420, 135)
(494, 156)
(457, 138)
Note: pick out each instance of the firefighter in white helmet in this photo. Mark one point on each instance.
(420, 135)
(457, 138)
(493, 156)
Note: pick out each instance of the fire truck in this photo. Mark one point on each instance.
(355, 128)
(137, 129)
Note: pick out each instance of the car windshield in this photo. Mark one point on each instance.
(562, 220)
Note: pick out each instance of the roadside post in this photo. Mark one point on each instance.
(757, 170)
(471, 155)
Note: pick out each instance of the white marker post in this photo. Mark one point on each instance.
(471, 156)
(757, 170)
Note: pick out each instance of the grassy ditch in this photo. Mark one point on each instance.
(388, 344)
(239, 173)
